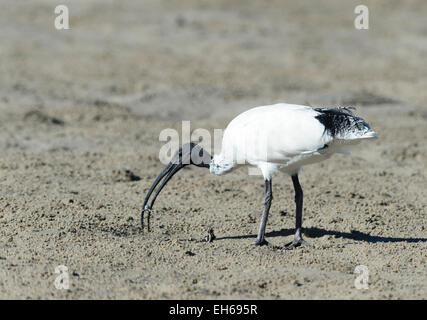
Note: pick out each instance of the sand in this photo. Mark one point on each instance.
(79, 107)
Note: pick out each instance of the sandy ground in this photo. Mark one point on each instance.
(81, 106)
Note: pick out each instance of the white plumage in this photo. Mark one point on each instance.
(285, 137)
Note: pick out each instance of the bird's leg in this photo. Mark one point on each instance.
(268, 197)
(298, 240)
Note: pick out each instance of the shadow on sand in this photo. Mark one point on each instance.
(317, 233)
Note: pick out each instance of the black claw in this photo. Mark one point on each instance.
(262, 242)
(296, 243)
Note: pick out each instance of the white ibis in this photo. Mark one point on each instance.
(280, 137)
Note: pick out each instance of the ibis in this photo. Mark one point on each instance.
(280, 137)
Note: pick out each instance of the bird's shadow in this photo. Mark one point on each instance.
(317, 233)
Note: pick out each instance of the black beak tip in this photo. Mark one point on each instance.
(148, 210)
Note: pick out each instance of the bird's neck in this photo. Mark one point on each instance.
(221, 165)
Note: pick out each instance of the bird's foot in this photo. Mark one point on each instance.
(298, 241)
(262, 242)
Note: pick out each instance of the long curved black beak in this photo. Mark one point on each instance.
(189, 153)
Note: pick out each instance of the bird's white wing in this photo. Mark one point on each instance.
(274, 133)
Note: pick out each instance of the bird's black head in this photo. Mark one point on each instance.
(189, 153)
